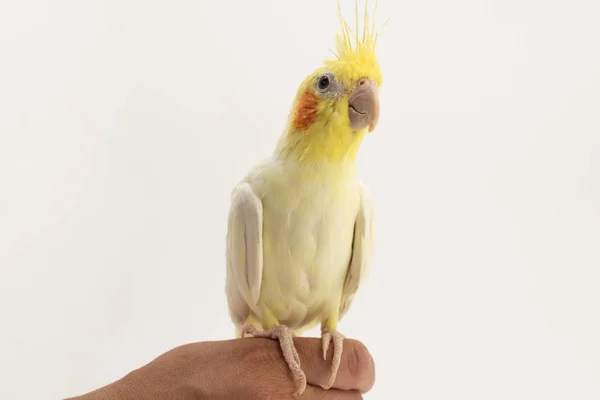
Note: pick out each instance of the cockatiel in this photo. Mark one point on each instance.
(300, 226)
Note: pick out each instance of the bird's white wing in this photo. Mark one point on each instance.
(244, 252)
(362, 249)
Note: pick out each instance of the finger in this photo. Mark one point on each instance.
(316, 393)
(356, 371)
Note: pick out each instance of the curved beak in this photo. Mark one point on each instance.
(363, 105)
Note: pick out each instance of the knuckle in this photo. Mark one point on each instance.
(359, 361)
(261, 355)
(254, 351)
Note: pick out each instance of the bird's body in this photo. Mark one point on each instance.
(308, 216)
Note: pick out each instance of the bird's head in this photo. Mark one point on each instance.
(338, 103)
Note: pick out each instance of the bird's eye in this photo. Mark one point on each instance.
(324, 83)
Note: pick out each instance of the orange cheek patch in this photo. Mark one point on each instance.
(306, 111)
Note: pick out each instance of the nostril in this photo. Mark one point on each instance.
(362, 82)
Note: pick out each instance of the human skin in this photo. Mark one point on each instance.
(250, 368)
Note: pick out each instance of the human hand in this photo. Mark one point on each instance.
(240, 369)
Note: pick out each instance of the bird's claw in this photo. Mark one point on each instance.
(285, 337)
(332, 336)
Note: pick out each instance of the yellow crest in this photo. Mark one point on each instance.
(355, 55)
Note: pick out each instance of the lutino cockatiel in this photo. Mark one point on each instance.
(300, 225)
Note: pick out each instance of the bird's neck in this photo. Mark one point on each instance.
(321, 144)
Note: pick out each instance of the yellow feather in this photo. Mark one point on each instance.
(353, 62)
(330, 137)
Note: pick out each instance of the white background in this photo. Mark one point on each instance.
(125, 124)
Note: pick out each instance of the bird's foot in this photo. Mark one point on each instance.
(285, 337)
(332, 336)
